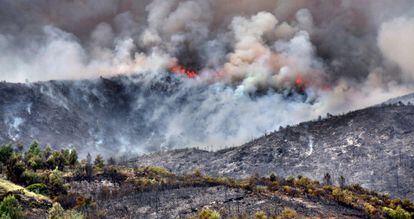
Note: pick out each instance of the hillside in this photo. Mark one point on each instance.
(102, 114)
(372, 147)
(55, 184)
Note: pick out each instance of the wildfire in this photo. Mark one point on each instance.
(181, 70)
(300, 83)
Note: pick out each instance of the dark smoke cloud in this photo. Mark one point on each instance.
(258, 59)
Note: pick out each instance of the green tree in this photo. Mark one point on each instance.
(10, 208)
(34, 149)
(48, 151)
(99, 162)
(33, 157)
(56, 181)
(56, 160)
(65, 154)
(6, 152)
(73, 157)
(15, 168)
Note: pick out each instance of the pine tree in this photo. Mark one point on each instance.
(73, 157)
(99, 161)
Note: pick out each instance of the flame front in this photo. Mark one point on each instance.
(181, 70)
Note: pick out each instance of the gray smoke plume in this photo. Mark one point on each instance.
(260, 64)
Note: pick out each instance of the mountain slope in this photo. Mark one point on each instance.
(373, 147)
(103, 114)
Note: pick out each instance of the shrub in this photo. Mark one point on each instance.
(197, 173)
(57, 212)
(260, 215)
(398, 213)
(343, 196)
(406, 204)
(56, 181)
(207, 213)
(273, 186)
(38, 188)
(371, 210)
(303, 182)
(29, 177)
(159, 171)
(290, 179)
(287, 189)
(10, 208)
(288, 213)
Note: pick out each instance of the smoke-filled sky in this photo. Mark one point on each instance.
(264, 63)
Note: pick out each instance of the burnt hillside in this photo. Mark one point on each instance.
(372, 147)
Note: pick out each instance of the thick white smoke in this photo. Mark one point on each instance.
(262, 64)
(396, 41)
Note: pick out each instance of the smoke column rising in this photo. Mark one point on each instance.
(260, 65)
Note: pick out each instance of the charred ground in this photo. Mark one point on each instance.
(372, 147)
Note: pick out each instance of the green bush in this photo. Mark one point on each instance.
(10, 208)
(29, 177)
(260, 215)
(57, 212)
(159, 170)
(38, 188)
(398, 213)
(290, 178)
(207, 213)
(304, 182)
(6, 152)
(288, 213)
(371, 210)
(56, 181)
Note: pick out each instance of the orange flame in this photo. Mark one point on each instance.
(181, 70)
(299, 81)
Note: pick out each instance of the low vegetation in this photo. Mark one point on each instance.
(58, 185)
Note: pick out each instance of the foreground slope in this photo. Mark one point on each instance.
(373, 147)
(41, 183)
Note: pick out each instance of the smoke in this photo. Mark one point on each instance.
(260, 65)
(396, 41)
